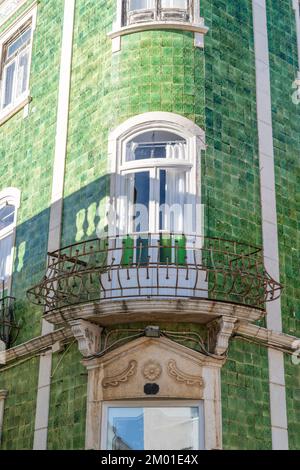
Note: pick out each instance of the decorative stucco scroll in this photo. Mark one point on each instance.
(123, 377)
(183, 377)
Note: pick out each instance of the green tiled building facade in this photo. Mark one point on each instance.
(79, 92)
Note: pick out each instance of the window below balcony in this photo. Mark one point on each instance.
(153, 426)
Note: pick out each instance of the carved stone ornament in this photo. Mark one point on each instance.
(183, 377)
(152, 370)
(88, 336)
(122, 377)
(219, 334)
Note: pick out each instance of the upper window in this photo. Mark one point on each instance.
(15, 59)
(9, 201)
(15, 68)
(135, 11)
(156, 182)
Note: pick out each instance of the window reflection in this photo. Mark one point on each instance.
(150, 428)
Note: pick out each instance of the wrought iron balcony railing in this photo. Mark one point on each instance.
(8, 327)
(155, 265)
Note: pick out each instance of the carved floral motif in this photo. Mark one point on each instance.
(152, 370)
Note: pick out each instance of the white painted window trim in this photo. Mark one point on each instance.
(170, 122)
(10, 196)
(196, 26)
(159, 403)
(3, 395)
(29, 16)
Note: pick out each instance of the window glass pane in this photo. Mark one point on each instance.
(22, 83)
(156, 144)
(181, 4)
(161, 428)
(9, 75)
(21, 40)
(141, 5)
(5, 257)
(141, 193)
(7, 216)
(125, 429)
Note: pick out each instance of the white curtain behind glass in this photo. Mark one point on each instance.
(175, 200)
(5, 257)
(176, 151)
(23, 73)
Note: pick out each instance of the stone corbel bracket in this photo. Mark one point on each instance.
(219, 333)
(88, 336)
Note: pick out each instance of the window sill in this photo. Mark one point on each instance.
(5, 115)
(198, 28)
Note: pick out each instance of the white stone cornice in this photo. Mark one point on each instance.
(154, 25)
(35, 346)
(269, 338)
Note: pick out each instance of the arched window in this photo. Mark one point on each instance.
(9, 203)
(156, 187)
(157, 175)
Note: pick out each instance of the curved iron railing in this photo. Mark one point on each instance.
(155, 265)
(9, 329)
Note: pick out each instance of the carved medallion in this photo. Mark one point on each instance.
(123, 377)
(183, 377)
(152, 370)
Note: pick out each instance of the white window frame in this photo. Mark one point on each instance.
(154, 404)
(156, 121)
(29, 17)
(194, 24)
(10, 196)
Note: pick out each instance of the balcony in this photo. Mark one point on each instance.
(8, 327)
(155, 277)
